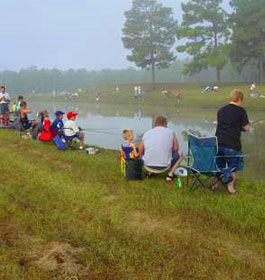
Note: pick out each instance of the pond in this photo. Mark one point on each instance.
(103, 125)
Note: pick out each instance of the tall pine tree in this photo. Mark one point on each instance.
(205, 30)
(149, 32)
(248, 39)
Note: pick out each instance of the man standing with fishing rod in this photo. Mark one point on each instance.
(232, 119)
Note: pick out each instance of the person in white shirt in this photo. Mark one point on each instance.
(4, 101)
(71, 130)
(160, 148)
(253, 87)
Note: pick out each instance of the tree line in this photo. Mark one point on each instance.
(213, 38)
(34, 80)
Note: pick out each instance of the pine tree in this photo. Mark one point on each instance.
(248, 39)
(149, 32)
(205, 29)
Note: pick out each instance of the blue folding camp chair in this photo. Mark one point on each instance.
(202, 154)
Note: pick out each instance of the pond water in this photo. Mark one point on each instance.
(103, 125)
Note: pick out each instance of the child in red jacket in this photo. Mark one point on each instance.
(45, 135)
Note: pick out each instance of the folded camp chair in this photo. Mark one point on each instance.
(202, 154)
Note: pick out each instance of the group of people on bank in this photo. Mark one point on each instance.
(159, 148)
(43, 129)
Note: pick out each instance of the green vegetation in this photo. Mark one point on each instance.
(66, 214)
(205, 27)
(248, 39)
(192, 97)
(149, 32)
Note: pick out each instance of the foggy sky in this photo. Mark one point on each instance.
(65, 33)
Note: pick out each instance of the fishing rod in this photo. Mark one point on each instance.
(257, 121)
(100, 129)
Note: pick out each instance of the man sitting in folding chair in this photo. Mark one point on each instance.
(160, 150)
(232, 119)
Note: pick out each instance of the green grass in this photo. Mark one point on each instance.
(192, 96)
(66, 214)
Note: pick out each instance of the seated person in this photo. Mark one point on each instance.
(57, 125)
(160, 148)
(45, 134)
(72, 131)
(26, 124)
(128, 147)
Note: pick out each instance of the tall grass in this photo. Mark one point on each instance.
(67, 214)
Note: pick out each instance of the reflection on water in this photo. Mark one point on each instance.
(103, 126)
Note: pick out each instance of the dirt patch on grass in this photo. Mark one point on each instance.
(143, 223)
(8, 234)
(60, 260)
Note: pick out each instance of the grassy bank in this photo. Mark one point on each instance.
(66, 214)
(192, 96)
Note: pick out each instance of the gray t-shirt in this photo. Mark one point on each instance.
(158, 147)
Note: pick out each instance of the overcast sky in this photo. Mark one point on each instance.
(65, 33)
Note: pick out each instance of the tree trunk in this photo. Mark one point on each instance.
(218, 75)
(261, 69)
(153, 76)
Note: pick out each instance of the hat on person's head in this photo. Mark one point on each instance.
(58, 113)
(71, 114)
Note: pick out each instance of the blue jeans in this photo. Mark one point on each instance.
(229, 161)
(175, 157)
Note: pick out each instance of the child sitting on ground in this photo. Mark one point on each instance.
(128, 147)
(45, 134)
(26, 124)
(57, 125)
(72, 131)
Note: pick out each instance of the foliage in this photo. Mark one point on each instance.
(248, 39)
(46, 80)
(149, 32)
(205, 28)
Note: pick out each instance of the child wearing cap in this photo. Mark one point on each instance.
(57, 125)
(71, 130)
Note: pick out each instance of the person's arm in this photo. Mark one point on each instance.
(75, 128)
(141, 149)
(134, 150)
(247, 128)
(245, 122)
(175, 143)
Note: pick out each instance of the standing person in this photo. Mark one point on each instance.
(232, 119)
(72, 131)
(179, 96)
(139, 90)
(135, 92)
(4, 109)
(142, 96)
